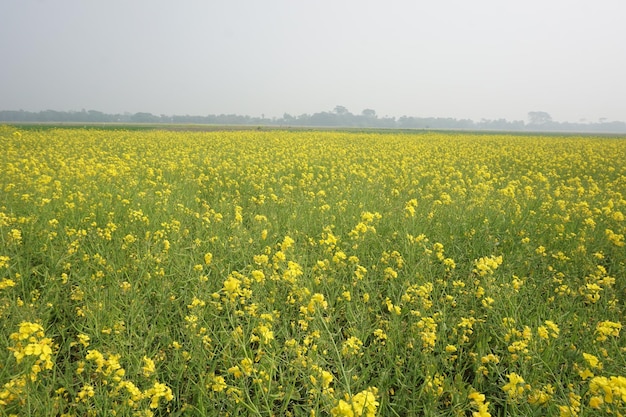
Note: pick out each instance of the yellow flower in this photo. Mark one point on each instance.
(342, 409)
(83, 339)
(490, 358)
(476, 396)
(15, 236)
(327, 379)
(37, 345)
(363, 404)
(26, 330)
(515, 387)
(87, 391)
(316, 299)
(451, 349)
(6, 283)
(542, 396)
(286, 243)
(235, 371)
(157, 392)
(247, 366)
(478, 400)
(553, 328)
(352, 346)
(266, 334)
(389, 273)
(585, 374)
(258, 275)
(610, 390)
(381, 336)
(487, 265)
(614, 238)
(487, 302)
(4, 261)
(148, 367)
(409, 207)
(232, 287)
(595, 401)
(592, 360)
(428, 332)
(217, 383)
(604, 329)
(260, 259)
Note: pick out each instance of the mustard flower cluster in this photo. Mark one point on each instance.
(363, 404)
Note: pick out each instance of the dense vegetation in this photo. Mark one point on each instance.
(311, 273)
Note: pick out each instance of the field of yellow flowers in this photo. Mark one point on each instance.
(311, 273)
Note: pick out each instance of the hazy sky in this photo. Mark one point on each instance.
(445, 58)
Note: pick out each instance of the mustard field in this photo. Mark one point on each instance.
(311, 273)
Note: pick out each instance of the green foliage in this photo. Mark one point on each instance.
(291, 273)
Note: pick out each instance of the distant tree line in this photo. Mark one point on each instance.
(338, 117)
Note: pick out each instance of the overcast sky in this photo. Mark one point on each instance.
(444, 58)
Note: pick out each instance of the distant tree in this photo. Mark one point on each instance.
(369, 113)
(142, 117)
(97, 116)
(304, 119)
(341, 110)
(325, 119)
(539, 118)
(340, 116)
